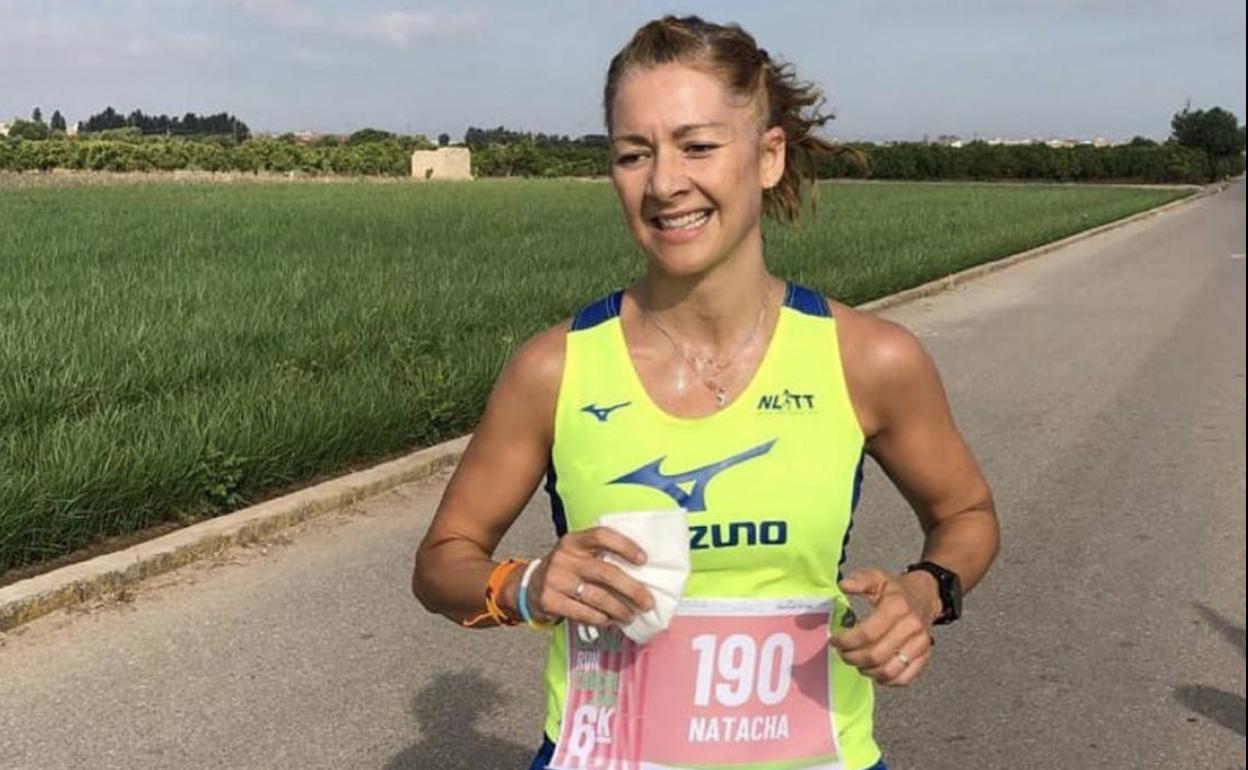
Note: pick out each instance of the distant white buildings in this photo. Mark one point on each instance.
(442, 163)
(4, 127)
(1098, 141)
(955, 141)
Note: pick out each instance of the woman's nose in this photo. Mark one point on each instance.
(667, 176)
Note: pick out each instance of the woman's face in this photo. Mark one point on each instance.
(690, 165)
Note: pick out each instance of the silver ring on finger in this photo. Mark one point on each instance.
(905, 659)
(580, 589)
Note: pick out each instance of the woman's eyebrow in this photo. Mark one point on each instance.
(679, 132)
(689, 128)
(630, 139)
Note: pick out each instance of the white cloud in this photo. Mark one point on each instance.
(283, 13)
(137, 46)
(1107, 9)
(400, 28)
(53, 30)
(147, 30)
(140, 36)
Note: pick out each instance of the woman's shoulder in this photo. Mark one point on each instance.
(884, 364)
(527, 389)
(880, 346)
(537, 366)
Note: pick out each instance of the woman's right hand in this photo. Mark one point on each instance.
(574, 582)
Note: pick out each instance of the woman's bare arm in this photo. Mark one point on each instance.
(910, 432)
(500, 469)
(497, 475)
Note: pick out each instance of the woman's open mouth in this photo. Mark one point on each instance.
(681, 227)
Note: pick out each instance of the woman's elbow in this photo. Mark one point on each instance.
(420, 581)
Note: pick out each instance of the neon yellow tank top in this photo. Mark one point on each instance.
(770, 481)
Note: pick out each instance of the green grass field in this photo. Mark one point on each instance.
(172, 351)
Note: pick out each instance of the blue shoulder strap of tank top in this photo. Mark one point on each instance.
(597, 311)
(806, 300)
(796, 296)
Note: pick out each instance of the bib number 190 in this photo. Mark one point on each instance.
(737, 668)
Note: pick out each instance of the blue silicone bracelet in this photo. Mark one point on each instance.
(523, 601)
(523, 598)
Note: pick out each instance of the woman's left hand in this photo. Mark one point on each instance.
(892, 645)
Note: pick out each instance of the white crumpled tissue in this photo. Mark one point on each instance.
(664, 536)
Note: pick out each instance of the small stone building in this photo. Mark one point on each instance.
(442, 163)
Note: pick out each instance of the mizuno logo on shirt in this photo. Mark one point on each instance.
(693, 499)
(603, 412)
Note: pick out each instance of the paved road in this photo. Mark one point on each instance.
(1103, 388)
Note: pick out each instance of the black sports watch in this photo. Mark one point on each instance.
(950, 587)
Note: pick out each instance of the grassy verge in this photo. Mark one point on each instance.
(174, 351)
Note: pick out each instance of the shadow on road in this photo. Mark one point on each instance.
(449, 711)
(1230, 632)
(1224, 708)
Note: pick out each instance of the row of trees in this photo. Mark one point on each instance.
(190, 124)
(1141, 163)
(36, 128)
(389, 157)
(528, 158)
(1159, 163)
(221, 124)
(480, 137)
(502, 152)
(1205, 145)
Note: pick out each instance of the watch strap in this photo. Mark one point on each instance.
(949, 587)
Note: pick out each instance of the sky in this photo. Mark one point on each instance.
(890, 69)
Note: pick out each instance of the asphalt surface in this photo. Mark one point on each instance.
(1102, 387)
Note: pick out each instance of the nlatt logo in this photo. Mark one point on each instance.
(788, 401)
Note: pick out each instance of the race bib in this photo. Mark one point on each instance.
(731, 682)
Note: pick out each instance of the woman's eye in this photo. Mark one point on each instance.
(627, 158)
(699, 149)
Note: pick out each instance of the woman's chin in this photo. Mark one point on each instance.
(680, 265)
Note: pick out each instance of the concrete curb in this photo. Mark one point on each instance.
(28, 599)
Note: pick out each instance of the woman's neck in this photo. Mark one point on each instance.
(711, 311)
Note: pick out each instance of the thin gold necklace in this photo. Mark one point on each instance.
(715, 382)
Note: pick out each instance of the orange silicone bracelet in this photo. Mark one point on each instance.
(494, 588)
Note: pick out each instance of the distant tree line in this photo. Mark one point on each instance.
(1204, 145)
(528, 158)
(112, 150)
(35, 128)
(501, 152)
(480, 137)
(190, 124)
(1135, 162)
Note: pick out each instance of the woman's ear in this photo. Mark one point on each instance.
(771, 157)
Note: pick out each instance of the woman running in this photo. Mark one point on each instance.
(712, 386)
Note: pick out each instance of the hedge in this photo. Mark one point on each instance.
(1164, 163)
(390, 157)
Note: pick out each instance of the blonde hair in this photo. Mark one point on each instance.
(748, 71)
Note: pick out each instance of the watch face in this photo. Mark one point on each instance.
(955, 596)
